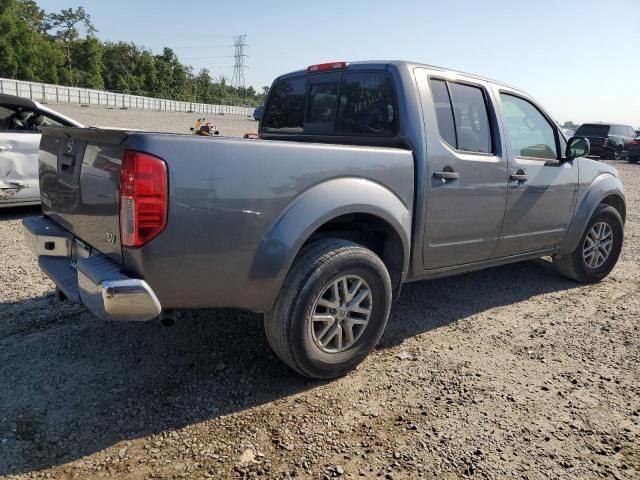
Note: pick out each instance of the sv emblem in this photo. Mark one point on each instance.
(111, 238)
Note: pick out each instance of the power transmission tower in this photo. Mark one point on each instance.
(240, 43)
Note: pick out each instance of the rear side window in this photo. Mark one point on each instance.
(367, 105)
(353, 103)
(463, 119)
(286, 105)
(591, 130)
(444, 112)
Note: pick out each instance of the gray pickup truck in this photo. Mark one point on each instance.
(366, 175)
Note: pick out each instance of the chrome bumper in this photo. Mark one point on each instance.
(98, 282)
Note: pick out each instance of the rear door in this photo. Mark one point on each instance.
(466, 171)
(542, 188)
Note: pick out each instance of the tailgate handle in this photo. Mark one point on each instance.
(67, 160)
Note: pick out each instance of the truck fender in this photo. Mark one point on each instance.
(603, 186)
(312, 209)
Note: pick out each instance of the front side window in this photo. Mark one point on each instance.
(285, 111)
(463, 120)
(367, 104)
(530, 132)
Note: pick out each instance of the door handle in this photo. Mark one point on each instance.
(520, 176)
(446, 175)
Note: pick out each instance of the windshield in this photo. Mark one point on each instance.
(590, 130)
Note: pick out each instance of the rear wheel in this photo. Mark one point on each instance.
(617, 155)
(332, 309)
(598, 250)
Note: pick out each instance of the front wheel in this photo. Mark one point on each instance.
(598, 250)
(331, 310)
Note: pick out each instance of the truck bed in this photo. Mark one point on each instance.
(226, 198)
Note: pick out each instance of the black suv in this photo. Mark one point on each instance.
(634, 149)
(608, 140)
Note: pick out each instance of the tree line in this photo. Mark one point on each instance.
(62, 48)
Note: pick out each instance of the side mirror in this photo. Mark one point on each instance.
(577, 147)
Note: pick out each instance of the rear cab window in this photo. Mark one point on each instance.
(344, 103)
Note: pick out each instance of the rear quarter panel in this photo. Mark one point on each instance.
(229, 237)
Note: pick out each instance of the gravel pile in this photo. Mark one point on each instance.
(512, 372)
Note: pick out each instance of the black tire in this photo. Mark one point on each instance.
(289, 326)
(575, 267)
(617, 154)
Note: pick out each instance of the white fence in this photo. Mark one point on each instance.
(42, 92)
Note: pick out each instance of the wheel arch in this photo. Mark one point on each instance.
(607, 189)
(347, 208)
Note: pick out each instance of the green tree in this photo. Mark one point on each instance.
(61, 48)
(63, 26)
(88, 60)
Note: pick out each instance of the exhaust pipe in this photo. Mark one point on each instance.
(168, 318)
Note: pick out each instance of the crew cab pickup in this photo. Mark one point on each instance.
(366, 175)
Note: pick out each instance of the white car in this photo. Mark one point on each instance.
(20, 121)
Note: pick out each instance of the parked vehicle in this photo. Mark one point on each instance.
(258, 113)
(634, 149)
(20, 123)
(608, 140)
(367, 175)
(568, 133)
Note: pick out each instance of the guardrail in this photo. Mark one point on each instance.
(43, 92)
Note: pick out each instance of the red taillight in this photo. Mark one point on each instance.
(143, 198)
(323, 67)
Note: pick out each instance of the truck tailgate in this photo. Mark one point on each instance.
(80, 183)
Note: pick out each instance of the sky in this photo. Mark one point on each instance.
(579, 58)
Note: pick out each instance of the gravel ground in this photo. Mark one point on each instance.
(177, 122)
(512, 372)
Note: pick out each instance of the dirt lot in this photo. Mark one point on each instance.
(512, 372)
(179, 122)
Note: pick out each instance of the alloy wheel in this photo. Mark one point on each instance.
(597, 245)
(341, 313)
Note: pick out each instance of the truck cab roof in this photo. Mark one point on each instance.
(385, 64)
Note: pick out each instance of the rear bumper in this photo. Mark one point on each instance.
(97, 282)
(634, 152)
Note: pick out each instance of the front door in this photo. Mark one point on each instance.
(542, 188)
(19, 165)
(466, 173)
